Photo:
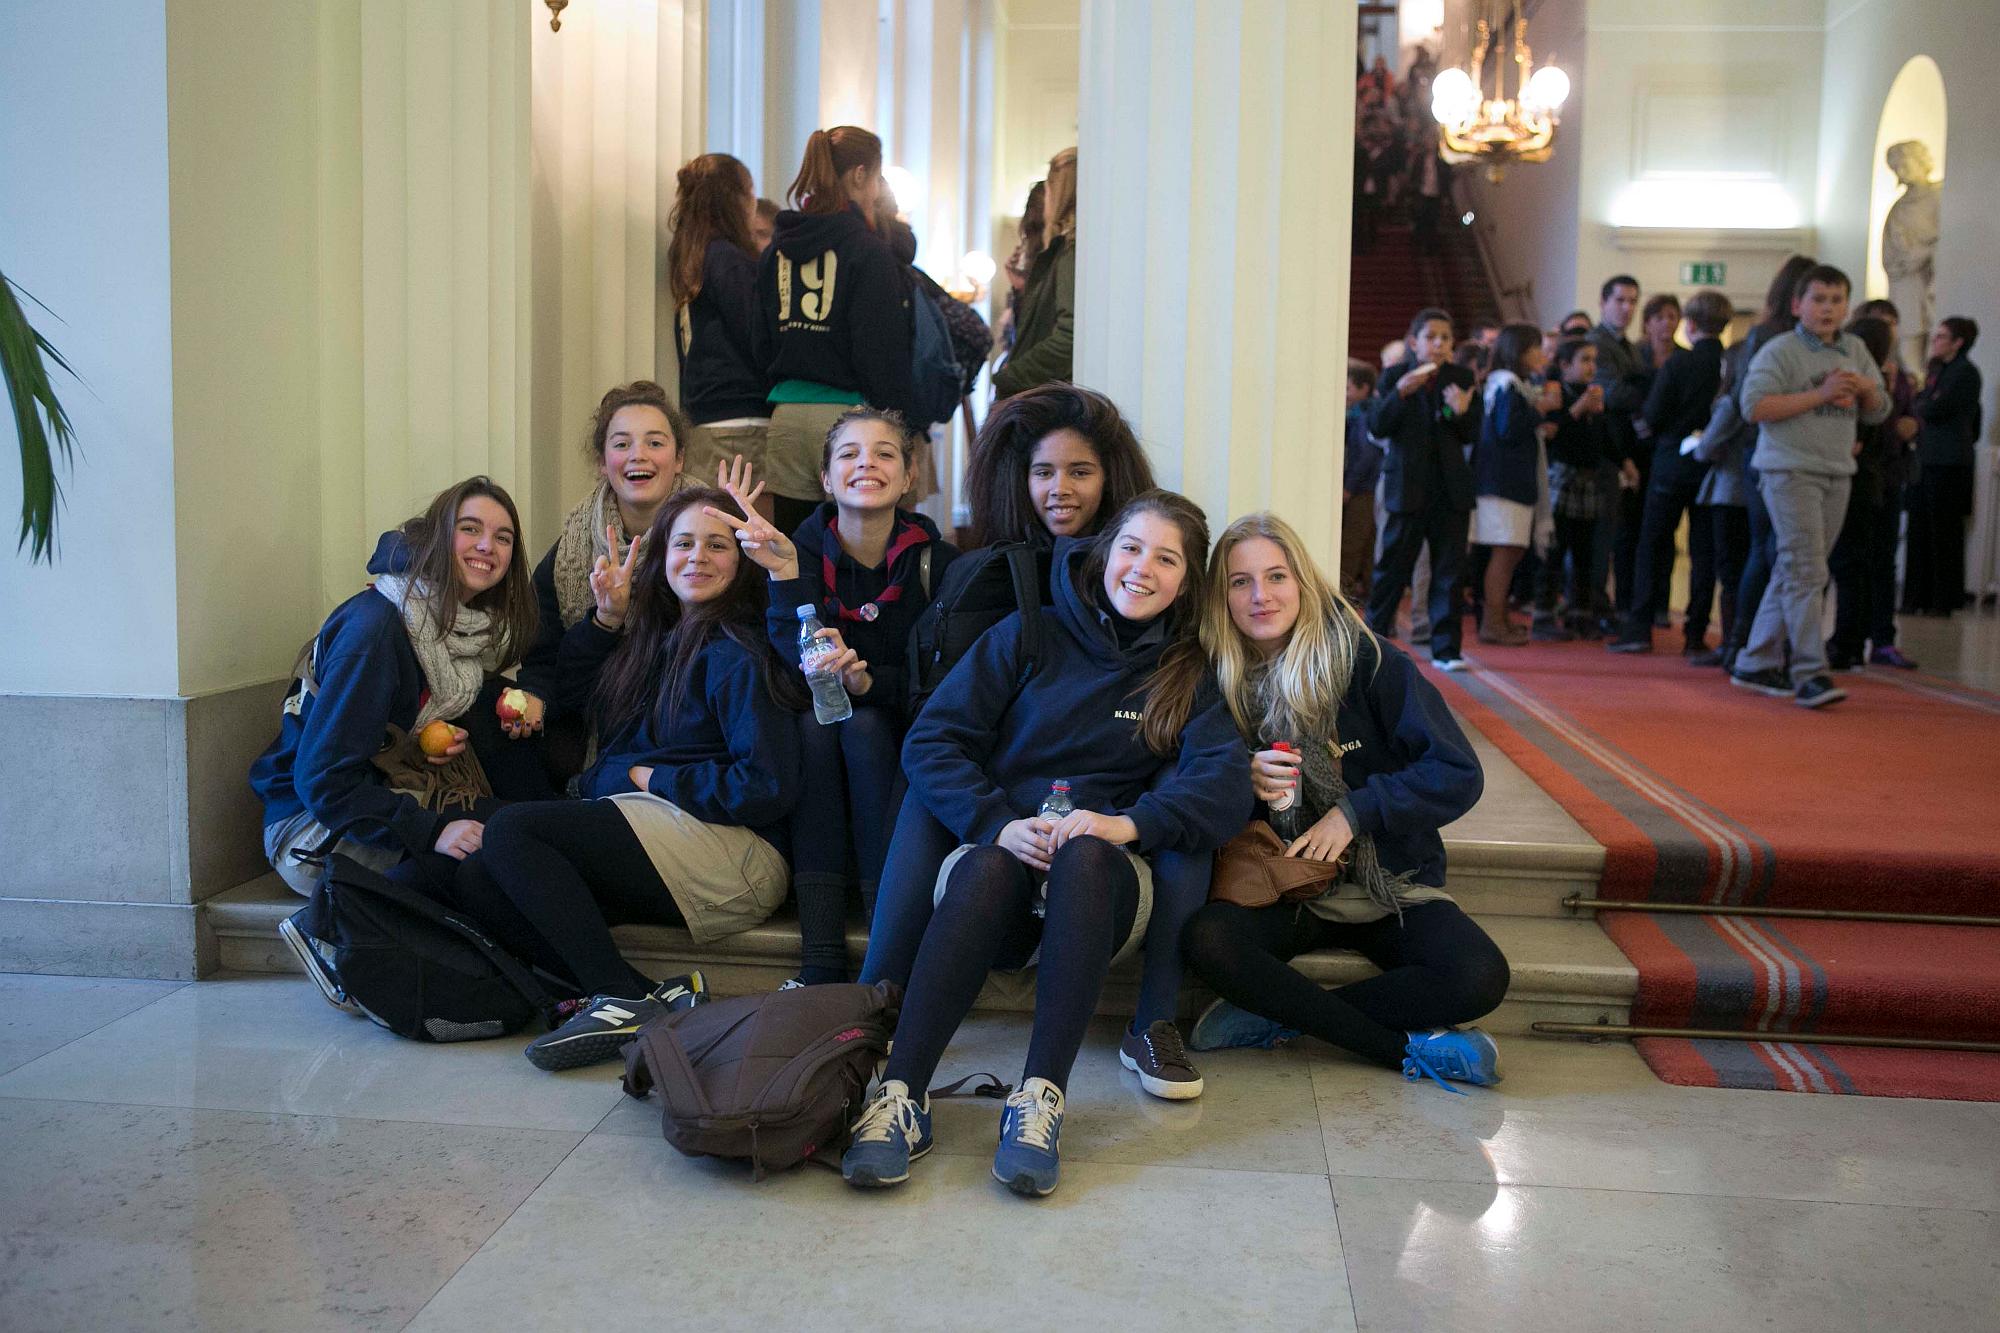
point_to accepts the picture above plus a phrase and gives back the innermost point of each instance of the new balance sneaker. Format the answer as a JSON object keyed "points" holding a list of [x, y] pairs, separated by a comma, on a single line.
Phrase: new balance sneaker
{"points": [[1223, 1026], [604, 1023], [1029, 1159], [1160, 1060], [893, 1131], [1818, 692], [1889, 655], [316, 957], [1773, 684], [1463, 1055]]}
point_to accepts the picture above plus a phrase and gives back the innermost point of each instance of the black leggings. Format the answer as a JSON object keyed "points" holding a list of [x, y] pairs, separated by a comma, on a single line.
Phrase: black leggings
{"points": [[1439, 969], [550, 881], [987, 920], [852, 765]]}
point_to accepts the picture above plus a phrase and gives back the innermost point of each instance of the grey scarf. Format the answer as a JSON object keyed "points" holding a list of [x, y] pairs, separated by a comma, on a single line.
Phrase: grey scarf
{"points": [[1321, 788], [455, 665]]}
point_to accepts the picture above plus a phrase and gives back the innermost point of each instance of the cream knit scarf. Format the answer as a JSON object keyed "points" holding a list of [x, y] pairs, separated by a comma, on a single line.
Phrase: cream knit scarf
{"points": [[456, 664]]}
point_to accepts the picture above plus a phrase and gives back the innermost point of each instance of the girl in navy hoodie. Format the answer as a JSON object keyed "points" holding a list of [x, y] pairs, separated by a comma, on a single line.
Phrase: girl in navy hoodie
{"points": [[423, 644], [637, 441], [1377, 766], [712, 278], [690, 796], [1119, 719], [866, 567], [1511, 471], [834, 323]]}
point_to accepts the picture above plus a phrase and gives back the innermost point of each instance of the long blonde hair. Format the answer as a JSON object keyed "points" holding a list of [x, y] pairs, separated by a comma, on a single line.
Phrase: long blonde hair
{"points": [[1312, 673], [1059, 197]]}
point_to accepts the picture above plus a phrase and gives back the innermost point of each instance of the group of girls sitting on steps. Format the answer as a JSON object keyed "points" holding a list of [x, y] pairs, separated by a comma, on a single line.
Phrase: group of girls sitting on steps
{"points": [[1165, 679]]}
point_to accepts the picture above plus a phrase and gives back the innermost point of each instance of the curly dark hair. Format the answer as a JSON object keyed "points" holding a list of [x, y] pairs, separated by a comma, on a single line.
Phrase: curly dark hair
{"points": [[996, 481]]}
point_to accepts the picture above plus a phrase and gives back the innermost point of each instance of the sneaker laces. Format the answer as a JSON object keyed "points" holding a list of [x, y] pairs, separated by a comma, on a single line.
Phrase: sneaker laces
{"points": [[1167, 1048], [1416, 1068], [889, 1111], [1035, 1120]]}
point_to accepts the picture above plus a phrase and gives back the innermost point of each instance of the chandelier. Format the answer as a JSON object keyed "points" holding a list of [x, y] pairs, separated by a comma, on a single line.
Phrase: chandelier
{"points": [[1499, 129]]}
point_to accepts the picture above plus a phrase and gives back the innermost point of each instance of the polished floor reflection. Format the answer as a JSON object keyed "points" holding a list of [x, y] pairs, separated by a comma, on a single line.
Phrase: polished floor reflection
{"points": [[236, 1155]]}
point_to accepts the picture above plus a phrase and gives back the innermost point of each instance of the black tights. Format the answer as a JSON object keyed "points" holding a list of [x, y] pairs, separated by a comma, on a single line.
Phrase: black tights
{"points": [[986, 920], [552, 878], [1439, 969]]}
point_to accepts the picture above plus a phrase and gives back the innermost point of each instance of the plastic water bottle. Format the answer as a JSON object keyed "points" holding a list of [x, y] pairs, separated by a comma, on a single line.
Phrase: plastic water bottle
{"points": [[830, 701], [1285, 809], [1056, 806]]}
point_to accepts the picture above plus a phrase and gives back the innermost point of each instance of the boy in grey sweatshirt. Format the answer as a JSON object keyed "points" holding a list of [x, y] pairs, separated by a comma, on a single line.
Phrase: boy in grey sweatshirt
{"points": [[1807, 391]]}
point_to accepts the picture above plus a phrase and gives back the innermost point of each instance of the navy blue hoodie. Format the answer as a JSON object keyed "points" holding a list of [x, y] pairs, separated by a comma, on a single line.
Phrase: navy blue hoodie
{"points": [[984, 750], [321, 762], [833, 308], [728, 754], [541, 664], [883, 642], [1409, 769], [721, 379], [1506, 461]]}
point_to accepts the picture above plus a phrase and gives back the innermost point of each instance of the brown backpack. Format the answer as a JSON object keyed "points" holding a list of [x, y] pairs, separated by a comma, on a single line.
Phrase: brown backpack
{"points": [[768, 1079]]}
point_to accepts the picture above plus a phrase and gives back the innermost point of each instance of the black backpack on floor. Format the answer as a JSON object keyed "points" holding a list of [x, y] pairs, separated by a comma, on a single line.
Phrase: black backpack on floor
{"points": [[417, 967], [980, 589]]}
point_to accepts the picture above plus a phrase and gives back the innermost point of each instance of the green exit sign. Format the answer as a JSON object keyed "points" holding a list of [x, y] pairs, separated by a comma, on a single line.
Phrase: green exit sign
{"points": [[1704, 273]]}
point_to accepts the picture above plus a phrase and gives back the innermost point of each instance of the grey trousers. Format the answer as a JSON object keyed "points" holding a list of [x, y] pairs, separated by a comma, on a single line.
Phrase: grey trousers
{"points": [[303, 832], [1807, 509]]}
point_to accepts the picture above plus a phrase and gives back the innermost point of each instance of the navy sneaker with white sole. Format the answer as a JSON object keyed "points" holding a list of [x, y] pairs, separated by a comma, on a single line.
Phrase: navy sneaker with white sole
{"points": [[1029, 1158], [893, 1131], [316, 957], [603, 1024]]}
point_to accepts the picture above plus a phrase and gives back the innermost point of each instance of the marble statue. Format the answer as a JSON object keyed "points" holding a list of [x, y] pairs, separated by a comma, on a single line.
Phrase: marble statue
{"points": [[1909, 247]]}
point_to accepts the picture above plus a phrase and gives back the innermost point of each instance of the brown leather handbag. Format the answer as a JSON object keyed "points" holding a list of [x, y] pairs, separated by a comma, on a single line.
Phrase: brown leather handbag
{"points": [[1252, 870]]}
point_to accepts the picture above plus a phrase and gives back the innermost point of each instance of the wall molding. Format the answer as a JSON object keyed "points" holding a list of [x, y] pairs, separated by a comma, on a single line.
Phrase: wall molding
{"points": [[1777, 240]]}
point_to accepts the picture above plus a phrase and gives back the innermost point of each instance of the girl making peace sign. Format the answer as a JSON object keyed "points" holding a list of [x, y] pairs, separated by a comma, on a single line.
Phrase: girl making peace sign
{"points": [[866, 566]]}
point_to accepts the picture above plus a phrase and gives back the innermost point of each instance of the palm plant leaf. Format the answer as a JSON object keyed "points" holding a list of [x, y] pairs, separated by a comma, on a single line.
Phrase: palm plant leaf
{"points": [[39, 420]]}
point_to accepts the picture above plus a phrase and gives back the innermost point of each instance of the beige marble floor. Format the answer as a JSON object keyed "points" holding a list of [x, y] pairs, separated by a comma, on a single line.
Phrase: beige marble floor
{"points": [[235, 1154]]}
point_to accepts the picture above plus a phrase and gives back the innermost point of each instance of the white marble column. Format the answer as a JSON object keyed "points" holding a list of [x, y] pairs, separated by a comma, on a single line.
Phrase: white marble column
{"points": [[1214, 191]]}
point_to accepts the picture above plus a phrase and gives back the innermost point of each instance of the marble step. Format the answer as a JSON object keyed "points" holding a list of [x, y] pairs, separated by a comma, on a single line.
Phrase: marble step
{"points": [[1564, 969]]}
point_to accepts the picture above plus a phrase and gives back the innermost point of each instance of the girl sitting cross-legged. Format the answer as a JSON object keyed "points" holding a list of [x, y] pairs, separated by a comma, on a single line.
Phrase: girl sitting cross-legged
{"points": [[690, 796], [1121, 711], [1377, 766]]}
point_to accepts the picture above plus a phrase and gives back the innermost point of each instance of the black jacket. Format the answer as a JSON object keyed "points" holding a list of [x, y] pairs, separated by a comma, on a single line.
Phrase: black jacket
{"points": [[1948, 415], [833, 308], [721, 377], [1579, 442], [1424, 463], [1678, 405]]}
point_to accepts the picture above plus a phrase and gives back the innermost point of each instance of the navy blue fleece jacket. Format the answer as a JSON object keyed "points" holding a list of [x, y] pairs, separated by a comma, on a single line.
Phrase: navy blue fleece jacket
{"points": [[985, 749], [1409, 769], [321, 761], [728, 754], [882, 642]]}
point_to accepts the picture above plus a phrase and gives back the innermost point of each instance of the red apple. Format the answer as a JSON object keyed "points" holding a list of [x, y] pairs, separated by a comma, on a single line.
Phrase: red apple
{"points": [[513, 705]]}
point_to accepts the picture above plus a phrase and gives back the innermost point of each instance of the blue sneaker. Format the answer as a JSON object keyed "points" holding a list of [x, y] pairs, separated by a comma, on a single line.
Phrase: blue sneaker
{"points": [[893, 1131], [1029, 1157], [1467, 1056], [1222, 1025]]}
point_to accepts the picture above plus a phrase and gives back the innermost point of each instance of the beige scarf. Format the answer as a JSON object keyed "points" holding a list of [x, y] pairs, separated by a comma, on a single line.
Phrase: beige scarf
{"points": [[456, 664], [577, 550]]}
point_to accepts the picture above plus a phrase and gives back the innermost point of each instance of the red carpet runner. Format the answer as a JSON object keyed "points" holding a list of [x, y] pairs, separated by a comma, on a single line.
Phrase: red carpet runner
{"points": [[1703, 793]]}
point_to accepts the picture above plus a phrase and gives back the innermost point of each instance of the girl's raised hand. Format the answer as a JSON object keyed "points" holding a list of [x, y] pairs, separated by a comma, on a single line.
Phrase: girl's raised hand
{"points": [[760, 539], [611, 584]]}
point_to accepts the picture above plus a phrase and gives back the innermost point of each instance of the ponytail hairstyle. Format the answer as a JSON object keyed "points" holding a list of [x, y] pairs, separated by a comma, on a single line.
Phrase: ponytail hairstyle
{"points": [[647, 673], [713, 196], [820, 186], [427, 541], [639, 393], [1171, 689], [996, 481], [887, 416], [1313, 670], [1059, 197]]}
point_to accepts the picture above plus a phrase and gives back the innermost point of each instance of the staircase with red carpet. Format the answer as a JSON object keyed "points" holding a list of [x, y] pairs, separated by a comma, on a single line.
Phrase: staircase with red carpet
{"points": [[1391, 282], [1704, 794]]}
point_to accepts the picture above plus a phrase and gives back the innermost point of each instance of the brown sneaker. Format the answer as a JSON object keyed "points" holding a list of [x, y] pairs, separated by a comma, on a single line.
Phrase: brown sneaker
{"points": [[1161, 1062]]}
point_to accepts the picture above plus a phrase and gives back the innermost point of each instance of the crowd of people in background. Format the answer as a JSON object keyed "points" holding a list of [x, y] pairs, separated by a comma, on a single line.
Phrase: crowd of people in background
{"points": [[1398, 172], [1549, 471]]}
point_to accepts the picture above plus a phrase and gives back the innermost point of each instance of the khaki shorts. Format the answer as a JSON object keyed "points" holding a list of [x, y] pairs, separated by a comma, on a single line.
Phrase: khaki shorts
{"points": [[724, 879], [1144, 913], [792, 453], [710, 445]]}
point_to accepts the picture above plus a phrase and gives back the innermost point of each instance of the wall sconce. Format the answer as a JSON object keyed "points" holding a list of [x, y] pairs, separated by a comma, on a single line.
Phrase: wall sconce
{"points": [[556, 7]]}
